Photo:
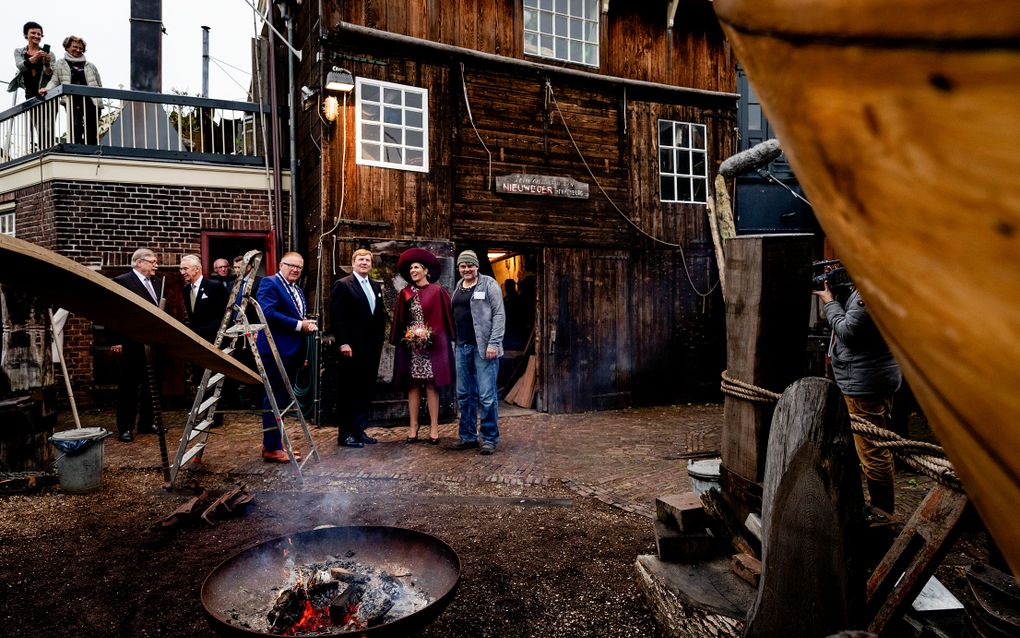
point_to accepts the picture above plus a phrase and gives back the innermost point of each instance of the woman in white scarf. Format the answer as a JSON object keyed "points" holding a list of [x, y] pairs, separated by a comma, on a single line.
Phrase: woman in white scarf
{"points": [[73, 68]]}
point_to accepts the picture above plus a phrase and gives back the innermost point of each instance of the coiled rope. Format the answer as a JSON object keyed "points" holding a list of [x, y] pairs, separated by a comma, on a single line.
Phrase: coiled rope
{"points": [[927, 458]]}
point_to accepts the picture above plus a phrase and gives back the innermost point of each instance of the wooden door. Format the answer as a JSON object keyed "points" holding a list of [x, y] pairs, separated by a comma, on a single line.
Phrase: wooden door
{"points": [[586, 333]]}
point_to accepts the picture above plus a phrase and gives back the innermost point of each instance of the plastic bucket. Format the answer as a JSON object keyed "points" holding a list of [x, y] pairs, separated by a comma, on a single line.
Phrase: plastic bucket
{"points": [[80, 460], [704, 474]]}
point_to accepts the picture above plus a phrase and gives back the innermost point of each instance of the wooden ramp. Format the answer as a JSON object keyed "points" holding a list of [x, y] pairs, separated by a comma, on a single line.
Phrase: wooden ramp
{"points": [[57, 280]]}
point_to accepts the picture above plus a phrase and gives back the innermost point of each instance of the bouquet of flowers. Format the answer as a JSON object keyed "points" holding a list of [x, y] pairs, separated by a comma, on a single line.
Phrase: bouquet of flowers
{"points": [[418, 336]]}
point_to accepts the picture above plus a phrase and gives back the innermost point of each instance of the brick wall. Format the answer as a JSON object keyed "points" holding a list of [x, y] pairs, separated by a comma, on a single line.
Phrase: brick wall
{"points": [[100, 224]]}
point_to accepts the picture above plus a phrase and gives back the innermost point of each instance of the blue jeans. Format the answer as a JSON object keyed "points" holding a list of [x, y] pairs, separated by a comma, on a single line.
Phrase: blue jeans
{"points": [[476, 391]]}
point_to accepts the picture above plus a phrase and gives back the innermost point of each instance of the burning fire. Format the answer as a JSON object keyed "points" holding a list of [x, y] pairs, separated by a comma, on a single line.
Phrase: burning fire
{"points": [[314, 620]]}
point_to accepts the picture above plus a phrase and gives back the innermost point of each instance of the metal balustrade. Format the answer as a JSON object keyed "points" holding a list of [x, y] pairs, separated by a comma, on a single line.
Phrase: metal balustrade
{"points": [[134, 124]]}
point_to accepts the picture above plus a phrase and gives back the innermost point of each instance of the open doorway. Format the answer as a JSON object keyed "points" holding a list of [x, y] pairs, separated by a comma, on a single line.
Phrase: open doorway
{"points": [[228, 245], [515, 271]]}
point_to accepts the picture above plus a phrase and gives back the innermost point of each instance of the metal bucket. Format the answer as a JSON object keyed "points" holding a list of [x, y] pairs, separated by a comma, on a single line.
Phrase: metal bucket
{"points": [[80, 463], [704, 475]]}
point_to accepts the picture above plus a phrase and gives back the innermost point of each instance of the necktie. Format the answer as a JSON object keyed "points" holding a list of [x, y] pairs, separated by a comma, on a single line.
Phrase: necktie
{"points": [[148, 286], [369, 294], [194, 296]]}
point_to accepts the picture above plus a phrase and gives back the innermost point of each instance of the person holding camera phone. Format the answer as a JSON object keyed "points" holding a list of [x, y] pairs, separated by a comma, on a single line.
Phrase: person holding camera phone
{"points": [[32, 61], [868, 376]]}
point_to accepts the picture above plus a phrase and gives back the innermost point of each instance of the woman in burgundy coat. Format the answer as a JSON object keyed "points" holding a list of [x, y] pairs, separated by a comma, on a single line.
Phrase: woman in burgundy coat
{"points": [[422, 333]]}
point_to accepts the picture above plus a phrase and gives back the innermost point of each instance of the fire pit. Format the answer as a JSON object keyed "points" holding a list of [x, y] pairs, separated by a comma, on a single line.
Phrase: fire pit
{"points": [[238, 595]]}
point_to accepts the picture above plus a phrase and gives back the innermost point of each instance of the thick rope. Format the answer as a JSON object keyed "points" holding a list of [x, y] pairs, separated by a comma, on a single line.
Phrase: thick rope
{"points": [[927, 458]]}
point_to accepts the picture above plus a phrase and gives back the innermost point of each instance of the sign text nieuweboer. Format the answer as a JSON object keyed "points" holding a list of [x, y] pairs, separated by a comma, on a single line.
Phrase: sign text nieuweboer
{"points": [[547, 185]]}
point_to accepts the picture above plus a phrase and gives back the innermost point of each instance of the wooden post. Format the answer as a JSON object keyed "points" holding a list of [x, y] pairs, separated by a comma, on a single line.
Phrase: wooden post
{"points": [[812, 577], [767, 307]]}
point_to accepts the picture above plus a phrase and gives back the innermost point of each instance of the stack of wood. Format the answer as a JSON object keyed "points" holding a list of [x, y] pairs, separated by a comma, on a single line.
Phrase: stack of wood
{"points": [[522, 394]]}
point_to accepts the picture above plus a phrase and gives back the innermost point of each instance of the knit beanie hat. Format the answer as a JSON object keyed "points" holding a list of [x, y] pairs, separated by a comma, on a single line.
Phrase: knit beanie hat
{"points": [[468, 257]]}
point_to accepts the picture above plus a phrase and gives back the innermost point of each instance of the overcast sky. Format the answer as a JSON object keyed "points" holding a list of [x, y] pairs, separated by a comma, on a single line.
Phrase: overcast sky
{"points": [[105, 26]]}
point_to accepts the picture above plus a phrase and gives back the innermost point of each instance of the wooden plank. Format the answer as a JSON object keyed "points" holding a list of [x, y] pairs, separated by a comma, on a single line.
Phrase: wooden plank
{"points": [[811, 519], [768, 298], [914, 555], [526, 395], [56, 279]]}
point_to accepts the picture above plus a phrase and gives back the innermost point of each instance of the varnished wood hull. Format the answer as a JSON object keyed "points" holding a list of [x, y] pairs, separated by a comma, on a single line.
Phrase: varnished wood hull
{"points": [[64, 283], [902, 121]]}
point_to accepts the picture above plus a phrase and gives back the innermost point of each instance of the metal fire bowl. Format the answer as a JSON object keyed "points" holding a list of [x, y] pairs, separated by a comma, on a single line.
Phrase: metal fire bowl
{"points": [[244, 584]]}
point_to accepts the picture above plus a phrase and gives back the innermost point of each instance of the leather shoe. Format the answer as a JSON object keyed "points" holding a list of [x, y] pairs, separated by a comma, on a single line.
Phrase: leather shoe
{"points": [[279, 456], [350, 441], [126, 437], [465, 445], [370, 440]]}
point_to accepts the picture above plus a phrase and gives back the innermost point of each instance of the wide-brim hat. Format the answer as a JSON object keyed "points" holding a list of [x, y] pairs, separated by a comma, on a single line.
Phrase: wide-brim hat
{"points": [[418, 256]]}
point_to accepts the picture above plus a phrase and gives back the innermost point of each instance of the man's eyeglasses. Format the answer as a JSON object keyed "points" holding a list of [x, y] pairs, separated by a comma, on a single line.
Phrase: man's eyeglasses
{"points": [[292, 266], [150, 260]]}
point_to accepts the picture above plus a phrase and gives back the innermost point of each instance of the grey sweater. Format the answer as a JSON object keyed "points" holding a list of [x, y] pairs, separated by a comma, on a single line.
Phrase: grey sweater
{"points": [[861, 361], [487, 315]]}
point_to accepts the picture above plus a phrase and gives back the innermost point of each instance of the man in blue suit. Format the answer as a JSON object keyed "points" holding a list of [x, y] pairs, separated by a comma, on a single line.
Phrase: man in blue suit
{"points": [[284, 305]]}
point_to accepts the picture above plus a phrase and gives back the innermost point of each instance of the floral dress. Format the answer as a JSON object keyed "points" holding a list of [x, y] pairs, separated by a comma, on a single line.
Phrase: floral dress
{"points": [[421, 362]]}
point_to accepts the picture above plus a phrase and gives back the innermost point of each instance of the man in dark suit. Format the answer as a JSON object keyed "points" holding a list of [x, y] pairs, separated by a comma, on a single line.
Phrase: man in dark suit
{"points": [[205, 301], [359, 322], [134, 399], [284, 305]]}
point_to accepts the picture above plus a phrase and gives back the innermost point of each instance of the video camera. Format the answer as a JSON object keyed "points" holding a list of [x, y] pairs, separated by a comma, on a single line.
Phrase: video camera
{"points": [[830, 270]]}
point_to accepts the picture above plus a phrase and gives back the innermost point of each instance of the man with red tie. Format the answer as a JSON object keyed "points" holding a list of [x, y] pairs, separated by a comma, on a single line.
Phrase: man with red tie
{"points": [[134, 399], [284, 305]]}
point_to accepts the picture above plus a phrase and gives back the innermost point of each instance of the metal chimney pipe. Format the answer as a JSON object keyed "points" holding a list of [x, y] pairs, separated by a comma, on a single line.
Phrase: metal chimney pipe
{"points": [[205, 61], [147, 45]]}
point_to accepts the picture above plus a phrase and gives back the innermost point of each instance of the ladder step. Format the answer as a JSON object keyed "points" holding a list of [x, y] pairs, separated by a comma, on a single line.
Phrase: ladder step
{"points": [[214, 379], [190, 454], [228, 350], [237, 330], [208, 403], [201, 428]]}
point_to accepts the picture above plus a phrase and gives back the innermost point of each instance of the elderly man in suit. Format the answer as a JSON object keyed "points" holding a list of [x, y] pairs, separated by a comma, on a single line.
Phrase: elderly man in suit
{"points": [[358, 319], [284, 305], [134, 399], [205, 301]]}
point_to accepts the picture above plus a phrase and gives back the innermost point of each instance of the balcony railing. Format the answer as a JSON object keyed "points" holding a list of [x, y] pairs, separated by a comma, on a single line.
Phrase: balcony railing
{"points": [[134, 124]]}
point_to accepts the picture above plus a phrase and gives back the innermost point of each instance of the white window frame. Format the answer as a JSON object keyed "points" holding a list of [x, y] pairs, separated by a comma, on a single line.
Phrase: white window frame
{"points": [[7, 219], [683, 160], [565, 30], [370, 119]]}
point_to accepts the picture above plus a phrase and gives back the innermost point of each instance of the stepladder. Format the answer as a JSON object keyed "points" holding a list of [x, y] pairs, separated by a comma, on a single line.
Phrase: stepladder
{"points": [[236, 330]]}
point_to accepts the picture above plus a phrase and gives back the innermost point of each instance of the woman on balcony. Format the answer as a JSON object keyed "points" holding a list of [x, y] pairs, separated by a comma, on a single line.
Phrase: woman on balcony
{"points": [[33, 62], [75, 69]]}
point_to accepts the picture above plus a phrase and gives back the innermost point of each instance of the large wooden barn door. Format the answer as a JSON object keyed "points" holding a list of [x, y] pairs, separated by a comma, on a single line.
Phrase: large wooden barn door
{"points": [[586, 336]]}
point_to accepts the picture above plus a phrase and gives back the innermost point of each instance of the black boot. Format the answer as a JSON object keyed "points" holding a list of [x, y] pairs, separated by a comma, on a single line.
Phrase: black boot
{"points": [[883, 496]]}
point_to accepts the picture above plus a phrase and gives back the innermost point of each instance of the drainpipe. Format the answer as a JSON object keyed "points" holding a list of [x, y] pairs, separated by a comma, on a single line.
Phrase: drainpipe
{"points": [[291, 89]]}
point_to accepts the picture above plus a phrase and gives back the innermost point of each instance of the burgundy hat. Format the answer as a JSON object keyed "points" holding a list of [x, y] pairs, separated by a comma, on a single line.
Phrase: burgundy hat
{"points": [[418, 256]]}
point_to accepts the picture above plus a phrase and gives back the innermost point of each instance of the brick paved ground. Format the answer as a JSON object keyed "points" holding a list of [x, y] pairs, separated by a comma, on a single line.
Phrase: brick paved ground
{"points": [[624, 458]]}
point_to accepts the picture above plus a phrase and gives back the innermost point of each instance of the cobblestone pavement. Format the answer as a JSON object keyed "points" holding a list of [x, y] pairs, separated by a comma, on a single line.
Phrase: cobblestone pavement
{"points": [[624, 458]]}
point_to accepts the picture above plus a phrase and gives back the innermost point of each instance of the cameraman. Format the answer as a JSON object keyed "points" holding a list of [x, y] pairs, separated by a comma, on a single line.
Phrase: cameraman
{"points": [[868, 375]]}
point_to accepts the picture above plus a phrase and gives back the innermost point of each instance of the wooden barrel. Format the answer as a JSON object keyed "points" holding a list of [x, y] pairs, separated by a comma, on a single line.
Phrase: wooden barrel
{"points": [[901, 120]]}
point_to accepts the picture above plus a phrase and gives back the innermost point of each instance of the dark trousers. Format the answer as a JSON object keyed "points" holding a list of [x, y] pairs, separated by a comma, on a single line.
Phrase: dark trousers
{"points": [[84, 120], [134, 400], [357, 389], [271, 439]]}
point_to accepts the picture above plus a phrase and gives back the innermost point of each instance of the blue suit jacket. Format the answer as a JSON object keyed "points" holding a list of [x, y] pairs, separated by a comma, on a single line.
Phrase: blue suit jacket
{"points": [[282, 316]]}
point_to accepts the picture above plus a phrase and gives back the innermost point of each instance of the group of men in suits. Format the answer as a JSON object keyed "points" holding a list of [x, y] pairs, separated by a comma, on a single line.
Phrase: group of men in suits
{"points": [[358, 322]]}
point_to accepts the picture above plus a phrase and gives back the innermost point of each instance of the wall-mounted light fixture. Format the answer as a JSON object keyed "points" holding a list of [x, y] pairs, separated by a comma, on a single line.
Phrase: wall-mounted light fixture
{"points": [[331, 108], [339, 80], [307, 97]]}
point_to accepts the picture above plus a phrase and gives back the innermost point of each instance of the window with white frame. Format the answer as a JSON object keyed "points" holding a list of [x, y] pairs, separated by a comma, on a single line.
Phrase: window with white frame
{"points": [[683, 161], [7, 220], [565, 30], [392, 125]]}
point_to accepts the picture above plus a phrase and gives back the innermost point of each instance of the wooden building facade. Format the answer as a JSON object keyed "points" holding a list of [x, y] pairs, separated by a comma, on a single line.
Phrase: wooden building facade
{"points": [[580, 136]]}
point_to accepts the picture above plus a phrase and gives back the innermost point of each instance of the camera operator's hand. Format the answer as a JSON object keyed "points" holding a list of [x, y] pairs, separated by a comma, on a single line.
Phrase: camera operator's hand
{"points": [[824, 294]]}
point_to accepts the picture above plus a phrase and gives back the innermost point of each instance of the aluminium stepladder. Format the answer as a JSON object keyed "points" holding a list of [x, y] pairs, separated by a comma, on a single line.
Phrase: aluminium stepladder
{"points": [[233, 328]]}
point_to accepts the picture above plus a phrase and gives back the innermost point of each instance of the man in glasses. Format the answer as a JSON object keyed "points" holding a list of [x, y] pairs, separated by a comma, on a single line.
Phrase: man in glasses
{"points": [[286, 310], [134, 400]]}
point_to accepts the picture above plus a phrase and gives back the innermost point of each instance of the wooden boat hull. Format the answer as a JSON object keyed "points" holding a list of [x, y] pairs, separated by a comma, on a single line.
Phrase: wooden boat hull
{"points": [[902, 121], [62, 282]]}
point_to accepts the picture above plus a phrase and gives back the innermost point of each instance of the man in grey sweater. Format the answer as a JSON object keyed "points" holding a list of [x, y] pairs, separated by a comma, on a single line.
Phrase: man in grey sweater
{"points": [[868, 375], [479, 320]]}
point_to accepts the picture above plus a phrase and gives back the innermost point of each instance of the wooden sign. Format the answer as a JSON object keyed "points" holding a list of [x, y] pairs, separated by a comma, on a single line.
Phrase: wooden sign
{"points": [[546, 185]]}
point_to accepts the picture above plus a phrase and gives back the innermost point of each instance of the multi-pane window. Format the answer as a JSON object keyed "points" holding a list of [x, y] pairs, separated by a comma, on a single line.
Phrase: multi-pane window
{"points": [[392, 125], [7, 223], [683, 174], [566, 30]]}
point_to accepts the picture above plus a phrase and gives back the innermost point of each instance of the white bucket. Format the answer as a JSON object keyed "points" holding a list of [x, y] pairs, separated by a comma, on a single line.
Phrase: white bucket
{"points": [[704, 474], [82, 472]]}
